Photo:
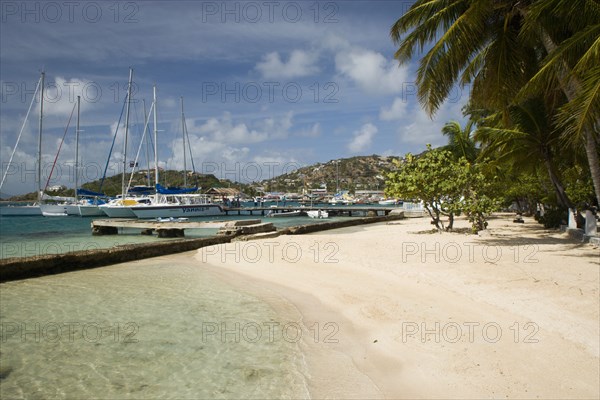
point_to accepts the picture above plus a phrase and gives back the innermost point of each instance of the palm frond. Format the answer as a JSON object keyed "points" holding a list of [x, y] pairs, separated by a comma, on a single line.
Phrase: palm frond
{"points": [[440, 68], [583, 111]]}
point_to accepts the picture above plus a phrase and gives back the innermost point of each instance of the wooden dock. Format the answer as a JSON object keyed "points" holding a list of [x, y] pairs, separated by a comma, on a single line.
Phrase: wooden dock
{"points": [[173, 228], [350, 211]]}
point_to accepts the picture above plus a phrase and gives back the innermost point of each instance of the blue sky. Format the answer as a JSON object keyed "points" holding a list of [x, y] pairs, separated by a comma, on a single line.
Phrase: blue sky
{"points": [[267, 85]]}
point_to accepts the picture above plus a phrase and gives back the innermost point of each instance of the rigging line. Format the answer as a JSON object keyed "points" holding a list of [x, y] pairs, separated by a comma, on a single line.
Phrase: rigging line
{"points": [[21, 132], [113, 143], [60, 147], [139, 149]]}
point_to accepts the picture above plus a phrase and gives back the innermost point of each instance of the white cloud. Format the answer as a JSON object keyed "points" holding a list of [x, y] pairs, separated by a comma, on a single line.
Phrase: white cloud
{"points": [[300, 63], [277, 128], [371, 71], [168, 102], [60, 96], [362, 138], [224, 130], [225, 140], [313, 132], [422, 129], [396, 111]]}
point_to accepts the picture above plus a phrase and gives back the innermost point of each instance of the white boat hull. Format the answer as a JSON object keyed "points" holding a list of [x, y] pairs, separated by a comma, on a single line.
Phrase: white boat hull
{"points": [[284, 214], [317, 214], [117, 211], [387, 202], [90, 210], [177, 210], [69, 209], [54, 214]]}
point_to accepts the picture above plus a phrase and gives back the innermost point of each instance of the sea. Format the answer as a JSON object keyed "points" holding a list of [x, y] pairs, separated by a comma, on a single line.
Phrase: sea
{"points": [[26, 236], [168, 330]]}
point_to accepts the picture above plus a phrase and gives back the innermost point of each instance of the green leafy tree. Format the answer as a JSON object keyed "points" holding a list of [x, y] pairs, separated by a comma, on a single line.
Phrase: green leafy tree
{"points": [[446, 186], [433, 178], [479, 199]]}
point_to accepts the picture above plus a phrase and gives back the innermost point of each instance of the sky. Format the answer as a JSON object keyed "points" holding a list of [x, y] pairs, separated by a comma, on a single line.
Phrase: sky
{"points": [[267, 86]]}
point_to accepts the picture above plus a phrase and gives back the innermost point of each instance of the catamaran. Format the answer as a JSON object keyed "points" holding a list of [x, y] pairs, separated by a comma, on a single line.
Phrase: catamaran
{"points": [[178, 202], [121, 206]]}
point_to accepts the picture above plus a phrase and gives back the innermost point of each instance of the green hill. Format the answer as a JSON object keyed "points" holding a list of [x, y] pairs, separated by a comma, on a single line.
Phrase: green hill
{"points": [[356, 173]]}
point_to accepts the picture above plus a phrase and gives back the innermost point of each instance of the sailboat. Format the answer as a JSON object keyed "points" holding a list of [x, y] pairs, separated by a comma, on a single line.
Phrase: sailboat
{"points": [[121, 206], [33, 209], [78, 205], [177, 202], [87, 205]]}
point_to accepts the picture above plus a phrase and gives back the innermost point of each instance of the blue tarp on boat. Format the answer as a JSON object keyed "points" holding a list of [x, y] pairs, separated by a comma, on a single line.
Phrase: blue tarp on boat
{"points": [[174, 190]]}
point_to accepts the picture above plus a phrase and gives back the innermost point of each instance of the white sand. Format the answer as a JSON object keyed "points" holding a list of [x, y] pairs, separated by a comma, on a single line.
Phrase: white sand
{"points": [[424, 315]]}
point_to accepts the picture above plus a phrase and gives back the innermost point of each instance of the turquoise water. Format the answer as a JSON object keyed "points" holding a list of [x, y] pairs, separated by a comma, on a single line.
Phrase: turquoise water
{"points": [[156, 329], [38, 235]]}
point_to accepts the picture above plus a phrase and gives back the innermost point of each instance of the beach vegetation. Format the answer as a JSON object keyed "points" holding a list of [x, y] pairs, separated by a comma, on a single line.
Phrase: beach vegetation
{"points": [[526, 63], [447, 187]]}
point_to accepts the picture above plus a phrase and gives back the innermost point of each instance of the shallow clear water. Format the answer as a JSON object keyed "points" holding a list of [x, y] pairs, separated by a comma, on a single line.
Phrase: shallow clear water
{"points": [[146, 329], [143, 330], [38, 235]]}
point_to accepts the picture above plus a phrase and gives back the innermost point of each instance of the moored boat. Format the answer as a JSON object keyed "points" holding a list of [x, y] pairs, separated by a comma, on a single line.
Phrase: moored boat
{"points": [[317, 214], [182, 205], [52, 209], [54, 214], [121, 208], [388, 202], [284, 214]]}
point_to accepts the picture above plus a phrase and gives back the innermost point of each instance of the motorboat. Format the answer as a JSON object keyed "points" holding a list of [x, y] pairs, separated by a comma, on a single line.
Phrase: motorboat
{"points": [[284, 214], [317, 214]]}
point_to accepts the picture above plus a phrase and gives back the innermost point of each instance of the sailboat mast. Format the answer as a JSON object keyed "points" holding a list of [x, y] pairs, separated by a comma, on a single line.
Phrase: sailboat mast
{"points": [[77, 149], [39, 171], [147, 144], [126, 133], [155, 139], [183, 135]]}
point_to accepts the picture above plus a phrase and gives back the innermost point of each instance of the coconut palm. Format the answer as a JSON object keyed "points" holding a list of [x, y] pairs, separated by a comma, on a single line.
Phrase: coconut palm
{"points": [[509, 50], [570, 32], [460, 141], [525, 139]]}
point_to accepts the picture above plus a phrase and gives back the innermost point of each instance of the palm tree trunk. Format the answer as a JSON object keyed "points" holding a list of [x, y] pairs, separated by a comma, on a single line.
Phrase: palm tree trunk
{"points": [[570, 85], [563, 198], [591, 150]]}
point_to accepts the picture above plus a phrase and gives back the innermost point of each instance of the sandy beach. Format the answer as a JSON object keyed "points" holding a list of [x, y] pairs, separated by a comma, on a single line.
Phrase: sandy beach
{"points": [[397, 311]]}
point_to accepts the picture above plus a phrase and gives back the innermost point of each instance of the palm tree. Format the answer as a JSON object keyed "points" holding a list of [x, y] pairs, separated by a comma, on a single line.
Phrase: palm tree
{"points": [[508, 50], [525, 140], [570, 33], [460, 141], [479, 45]]}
